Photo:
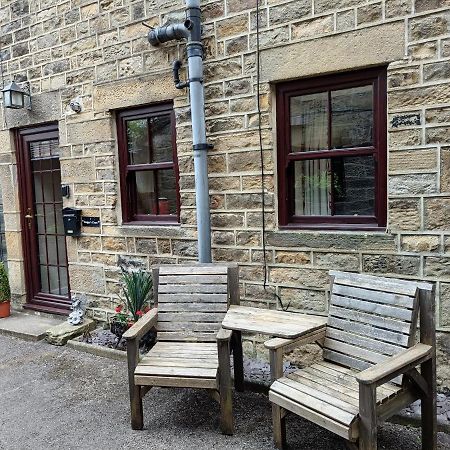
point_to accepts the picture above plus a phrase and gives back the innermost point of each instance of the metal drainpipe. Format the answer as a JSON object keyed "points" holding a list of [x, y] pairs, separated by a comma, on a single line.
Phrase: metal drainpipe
{"points": [[191, 30]]}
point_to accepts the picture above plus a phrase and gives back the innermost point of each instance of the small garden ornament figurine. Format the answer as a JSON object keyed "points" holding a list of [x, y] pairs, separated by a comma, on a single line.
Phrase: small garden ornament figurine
{"points": [[78, 308]]}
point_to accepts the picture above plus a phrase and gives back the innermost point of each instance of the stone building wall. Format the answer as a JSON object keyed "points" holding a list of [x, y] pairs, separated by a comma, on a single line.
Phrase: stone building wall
{"points": [[96, 51]]}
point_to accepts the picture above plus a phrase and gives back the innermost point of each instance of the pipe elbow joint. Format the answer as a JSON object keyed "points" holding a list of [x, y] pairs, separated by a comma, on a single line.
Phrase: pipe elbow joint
{"points": [[176, 31]]}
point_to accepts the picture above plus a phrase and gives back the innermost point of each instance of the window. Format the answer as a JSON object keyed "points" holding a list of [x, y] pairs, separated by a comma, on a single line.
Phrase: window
{"points": [[332, 151], [148, 165]]}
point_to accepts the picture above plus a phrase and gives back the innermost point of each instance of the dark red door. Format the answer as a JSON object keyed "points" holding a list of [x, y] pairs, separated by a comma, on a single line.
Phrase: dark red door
{"points": [[45, 252]]}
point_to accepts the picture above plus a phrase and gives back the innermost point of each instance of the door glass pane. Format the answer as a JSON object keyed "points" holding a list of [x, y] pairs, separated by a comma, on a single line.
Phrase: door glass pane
{"points": [[352, 117], [54, 279], [64, 285], [161, 139], [47, 182], [42, 250], [167, 193], [137, 136], [309, 122], [337, 186], [44, 279], [145, 193], [52, 250], [50, 218]]}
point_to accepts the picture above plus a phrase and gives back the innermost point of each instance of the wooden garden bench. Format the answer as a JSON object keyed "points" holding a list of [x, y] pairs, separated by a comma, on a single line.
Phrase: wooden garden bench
{"points": [[191, 349], [370, 358]]}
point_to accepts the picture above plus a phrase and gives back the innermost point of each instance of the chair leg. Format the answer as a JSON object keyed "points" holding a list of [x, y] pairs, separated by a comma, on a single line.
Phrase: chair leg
{"points": [[279, 426], [225, 389], [428, 406], [238, 361], [368, 417], [137, 415]]}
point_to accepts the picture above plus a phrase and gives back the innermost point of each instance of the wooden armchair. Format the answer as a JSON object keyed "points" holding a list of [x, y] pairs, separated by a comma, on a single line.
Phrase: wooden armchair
{"points": [[370, 359], [191, 350]]}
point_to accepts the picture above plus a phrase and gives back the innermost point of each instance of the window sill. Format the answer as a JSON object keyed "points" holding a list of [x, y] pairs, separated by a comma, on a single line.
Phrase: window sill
{"points": [[151, 223], [333, 226]]}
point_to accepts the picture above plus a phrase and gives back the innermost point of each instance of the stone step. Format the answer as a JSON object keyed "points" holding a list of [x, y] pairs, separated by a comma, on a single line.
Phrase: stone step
{"points": [[31, 327]]}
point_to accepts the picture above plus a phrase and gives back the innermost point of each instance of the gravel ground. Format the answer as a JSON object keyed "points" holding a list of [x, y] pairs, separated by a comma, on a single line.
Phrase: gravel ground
{"points": [[58, 398]]}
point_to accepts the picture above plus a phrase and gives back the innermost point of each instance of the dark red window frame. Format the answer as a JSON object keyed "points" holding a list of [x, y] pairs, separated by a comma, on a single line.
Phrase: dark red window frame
{"points": [[128, 187], [285, 160]]}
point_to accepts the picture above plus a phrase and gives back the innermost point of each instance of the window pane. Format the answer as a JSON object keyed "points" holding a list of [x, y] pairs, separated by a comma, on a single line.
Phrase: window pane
{"points": [[137, 137], [145, 193], [167, 194], [337, 186], [309, 122], [352, 117], [161, 139]]}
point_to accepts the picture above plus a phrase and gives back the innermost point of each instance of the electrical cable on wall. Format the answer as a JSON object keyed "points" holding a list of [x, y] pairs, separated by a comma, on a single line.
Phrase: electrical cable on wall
{"points": [[261, 150]]}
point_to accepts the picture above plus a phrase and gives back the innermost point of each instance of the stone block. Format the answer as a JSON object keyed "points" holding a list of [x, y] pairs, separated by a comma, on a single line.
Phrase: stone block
{"points": [[405, 138], [78, 169], [349, 51], [420, 243], [405, 77], [230, 254], [223, 238], [60, 334], [98, 130], [321, 6], [338, 261], [445, 169], [292, 257], [369, 13], [404, 214], [436, 71], [437, 115], [444, 304], [391, 264], [420, 96], [248, 238], [422, 51], [87, 278], [413, 184], [335, 241], [411, 161], [147, 246], [397, 8], [429, 26], [312, 27], [299, 276], [232, 26], [227, 220], [437, 214], [437, 267], [438, 135], [288, 12], [304, 299]]}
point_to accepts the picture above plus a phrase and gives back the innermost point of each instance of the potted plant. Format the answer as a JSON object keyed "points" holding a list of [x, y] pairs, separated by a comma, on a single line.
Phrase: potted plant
{"points": [[137, 289], [5, 293]]}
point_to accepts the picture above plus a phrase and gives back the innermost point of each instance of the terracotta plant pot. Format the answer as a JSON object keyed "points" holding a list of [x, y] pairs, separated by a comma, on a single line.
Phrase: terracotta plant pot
{"points": [[5, 309]]}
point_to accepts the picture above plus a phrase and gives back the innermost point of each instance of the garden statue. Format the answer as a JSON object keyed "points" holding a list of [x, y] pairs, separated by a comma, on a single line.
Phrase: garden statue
{"points": [[78, 308]]}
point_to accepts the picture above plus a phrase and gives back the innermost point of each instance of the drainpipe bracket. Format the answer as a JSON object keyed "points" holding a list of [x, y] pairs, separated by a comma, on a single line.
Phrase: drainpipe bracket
{"points": [[203, 147]]}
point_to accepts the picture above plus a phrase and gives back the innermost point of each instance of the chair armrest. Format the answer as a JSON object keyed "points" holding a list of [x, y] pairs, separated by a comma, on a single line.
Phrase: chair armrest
{"points": [[396, 365], [290, 344], [224, 335], [142, 326]]}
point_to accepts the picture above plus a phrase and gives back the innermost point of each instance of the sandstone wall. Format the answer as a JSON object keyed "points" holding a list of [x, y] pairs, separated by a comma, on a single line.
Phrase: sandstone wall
{"points": [[95, 51]]}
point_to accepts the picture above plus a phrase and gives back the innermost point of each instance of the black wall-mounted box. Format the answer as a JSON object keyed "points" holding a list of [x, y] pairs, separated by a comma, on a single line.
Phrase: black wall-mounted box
{"points": [[72, 221]]}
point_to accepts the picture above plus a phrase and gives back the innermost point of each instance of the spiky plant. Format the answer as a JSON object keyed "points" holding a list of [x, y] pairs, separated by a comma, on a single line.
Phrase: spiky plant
{"points": [[5, 292], [137, 289]]}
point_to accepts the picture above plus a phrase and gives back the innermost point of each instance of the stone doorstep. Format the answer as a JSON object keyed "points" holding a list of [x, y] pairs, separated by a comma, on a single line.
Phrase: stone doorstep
{"points": [[61, 333], [97, 350], [30, 327]]}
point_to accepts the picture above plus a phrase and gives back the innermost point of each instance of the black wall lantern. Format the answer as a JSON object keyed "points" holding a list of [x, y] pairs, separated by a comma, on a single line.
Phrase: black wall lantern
{"points": [[15, 97]]}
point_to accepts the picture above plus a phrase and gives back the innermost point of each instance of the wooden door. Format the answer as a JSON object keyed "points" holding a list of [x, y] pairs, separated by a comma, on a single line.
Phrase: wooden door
{"points": [[45, 251]]}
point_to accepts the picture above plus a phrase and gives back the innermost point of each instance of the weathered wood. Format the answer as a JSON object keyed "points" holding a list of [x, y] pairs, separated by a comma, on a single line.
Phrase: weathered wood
{"points": [[180, 269], [309, 414], [386, 298], [193, 288], [370, 335], [192, 279], [224, 335], [291, 344], [383, 284], [279, 426], [276, 363], [226, 399], [233, 284], [368, 417], [186, 382], [396, 365], [238, 361], [172, 371], [192, 307], [142, 326], [137, 417], [276, 323], [206, 297]]}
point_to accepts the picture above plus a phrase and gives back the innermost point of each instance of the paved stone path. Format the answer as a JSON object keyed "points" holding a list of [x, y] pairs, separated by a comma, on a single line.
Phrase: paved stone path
{"points": [[54, 398]]}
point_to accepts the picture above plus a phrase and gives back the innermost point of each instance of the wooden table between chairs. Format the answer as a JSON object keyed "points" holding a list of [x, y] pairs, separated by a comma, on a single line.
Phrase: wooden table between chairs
{"points": [[280, 324]]}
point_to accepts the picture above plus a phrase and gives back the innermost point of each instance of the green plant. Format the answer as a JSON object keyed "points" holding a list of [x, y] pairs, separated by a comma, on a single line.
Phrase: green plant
{"points": [[137, 289], [5, 292]]}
